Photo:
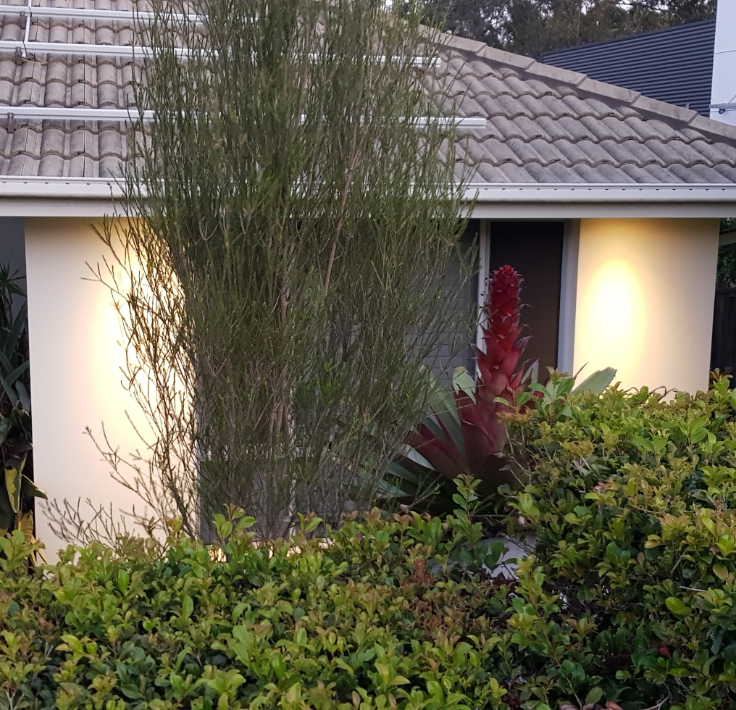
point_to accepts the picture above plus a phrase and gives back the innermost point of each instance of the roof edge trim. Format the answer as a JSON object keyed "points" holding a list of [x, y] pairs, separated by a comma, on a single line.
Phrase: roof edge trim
{"points": [[111, 189]]}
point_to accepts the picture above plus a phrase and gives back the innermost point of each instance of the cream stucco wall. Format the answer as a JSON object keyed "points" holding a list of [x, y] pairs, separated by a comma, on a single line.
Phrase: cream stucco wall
{"points": [[76, 358], [645, 292]]}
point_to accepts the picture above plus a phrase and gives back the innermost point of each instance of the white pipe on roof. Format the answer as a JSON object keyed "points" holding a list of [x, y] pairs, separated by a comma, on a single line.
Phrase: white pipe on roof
{"points": [[91, 14], [85, 50], [85, 113], [54, 113], [133, 51]]}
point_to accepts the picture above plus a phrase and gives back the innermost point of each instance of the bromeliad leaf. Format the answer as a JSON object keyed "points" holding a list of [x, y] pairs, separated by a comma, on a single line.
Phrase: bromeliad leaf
{"points": [[597, 381], [25, 525], [28, 487], [463, 382], [13, 479], [5, 425], [23, 396]]}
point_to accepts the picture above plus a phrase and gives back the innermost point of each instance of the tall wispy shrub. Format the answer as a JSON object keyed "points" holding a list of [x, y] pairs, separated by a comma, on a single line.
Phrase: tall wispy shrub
{"points": [[292, 217]]}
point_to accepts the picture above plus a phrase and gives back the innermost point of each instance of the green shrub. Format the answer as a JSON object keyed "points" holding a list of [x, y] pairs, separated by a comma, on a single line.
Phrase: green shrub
{"points": [[391, 613], [628, 602], [633, 500]]}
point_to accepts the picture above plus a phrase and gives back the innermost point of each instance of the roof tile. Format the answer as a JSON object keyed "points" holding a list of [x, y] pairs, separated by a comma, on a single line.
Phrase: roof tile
{"points": [[554, 130], [547, 71]]}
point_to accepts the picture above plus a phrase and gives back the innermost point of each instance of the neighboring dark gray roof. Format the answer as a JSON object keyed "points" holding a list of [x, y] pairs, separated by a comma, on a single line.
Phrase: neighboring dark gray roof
{"points": [[674, 64], [542, 124]]}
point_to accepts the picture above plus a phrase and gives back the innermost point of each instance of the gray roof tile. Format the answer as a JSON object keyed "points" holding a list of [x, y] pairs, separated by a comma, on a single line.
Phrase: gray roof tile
{"points": [[727, 171]]}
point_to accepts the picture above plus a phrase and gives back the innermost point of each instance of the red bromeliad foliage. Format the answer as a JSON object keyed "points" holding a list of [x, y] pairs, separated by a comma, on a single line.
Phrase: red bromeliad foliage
{"points": [[462, 435]]}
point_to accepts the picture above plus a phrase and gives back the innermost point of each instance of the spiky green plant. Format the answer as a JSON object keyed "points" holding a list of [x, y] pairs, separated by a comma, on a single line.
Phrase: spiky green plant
{"points": [[295, 221]]}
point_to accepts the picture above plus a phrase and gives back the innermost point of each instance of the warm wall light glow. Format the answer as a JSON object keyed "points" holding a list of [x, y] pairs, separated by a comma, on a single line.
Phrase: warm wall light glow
{"points": [[616, 313], [645, 292], [76, 361]]}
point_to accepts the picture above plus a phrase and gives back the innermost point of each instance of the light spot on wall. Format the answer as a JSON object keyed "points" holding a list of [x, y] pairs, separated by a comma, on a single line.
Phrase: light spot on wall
{"points": [[615, 313]]}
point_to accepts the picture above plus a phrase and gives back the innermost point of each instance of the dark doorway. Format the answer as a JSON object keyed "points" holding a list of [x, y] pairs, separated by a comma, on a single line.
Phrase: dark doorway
{"points": [[723, 349], [534, 249]]}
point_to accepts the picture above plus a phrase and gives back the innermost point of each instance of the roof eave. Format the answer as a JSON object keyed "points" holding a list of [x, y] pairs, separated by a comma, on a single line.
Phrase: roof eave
{"points": [[32, 196], [611, 200], [605, 192]]}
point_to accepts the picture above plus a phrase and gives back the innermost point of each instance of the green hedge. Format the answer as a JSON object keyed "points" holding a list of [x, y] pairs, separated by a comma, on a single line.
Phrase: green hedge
{"points": [[393, 613], [628, 603], [632, 497]]}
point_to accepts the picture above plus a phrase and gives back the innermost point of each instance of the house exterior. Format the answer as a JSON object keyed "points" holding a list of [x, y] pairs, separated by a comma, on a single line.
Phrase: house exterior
{"points": [[606, 200]]}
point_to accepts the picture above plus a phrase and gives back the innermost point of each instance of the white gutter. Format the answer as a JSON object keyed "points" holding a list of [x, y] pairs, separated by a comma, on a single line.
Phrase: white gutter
{"points": [[34, 196], [103, 188], [55, 187], [135, 52], [54, 113], [608, 201], [606, 192]]}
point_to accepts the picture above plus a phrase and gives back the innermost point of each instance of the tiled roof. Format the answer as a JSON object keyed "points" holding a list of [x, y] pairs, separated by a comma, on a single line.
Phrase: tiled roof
{"points": [[543, 124]]}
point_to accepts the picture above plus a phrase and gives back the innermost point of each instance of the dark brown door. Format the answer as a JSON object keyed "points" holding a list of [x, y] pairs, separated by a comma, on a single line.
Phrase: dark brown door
{"points": [[534, 249]]}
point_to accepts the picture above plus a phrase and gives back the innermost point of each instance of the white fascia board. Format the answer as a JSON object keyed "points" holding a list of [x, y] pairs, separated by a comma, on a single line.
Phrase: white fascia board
{"points": [[602, 210], [58, 197], [61, 187], [632, 200], [57, 208], [25, 196]]}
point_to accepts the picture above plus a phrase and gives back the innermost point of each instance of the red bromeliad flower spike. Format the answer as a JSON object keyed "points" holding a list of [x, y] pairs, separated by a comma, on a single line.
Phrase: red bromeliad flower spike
{"points": [[501, 329], [496, 377]]}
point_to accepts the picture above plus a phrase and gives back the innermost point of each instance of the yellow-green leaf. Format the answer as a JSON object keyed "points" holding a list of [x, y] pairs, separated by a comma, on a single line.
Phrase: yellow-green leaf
{"points": [[594, 695], [677, 606], [25, 525], [12, 485], [32, 488], [720, 571]]}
